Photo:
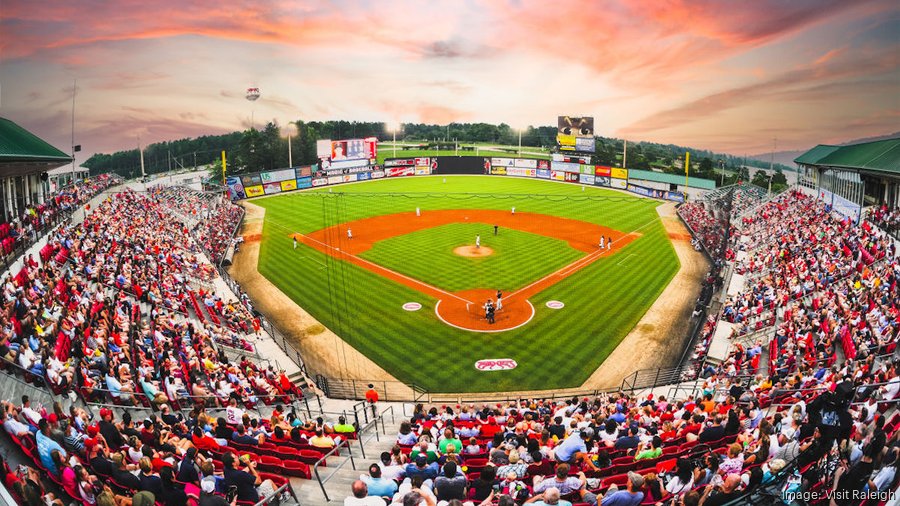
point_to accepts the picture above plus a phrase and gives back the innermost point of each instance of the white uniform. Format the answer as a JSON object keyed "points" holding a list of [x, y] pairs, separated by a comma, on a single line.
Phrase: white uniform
{"points": [[478, 241], [295, 243], [418, 212], [349, 234], [514, 210]]}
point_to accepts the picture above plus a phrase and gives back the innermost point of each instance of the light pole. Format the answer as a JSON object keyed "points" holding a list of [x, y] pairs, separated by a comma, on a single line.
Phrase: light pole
{"points": [[290, 132], [520, 142]]}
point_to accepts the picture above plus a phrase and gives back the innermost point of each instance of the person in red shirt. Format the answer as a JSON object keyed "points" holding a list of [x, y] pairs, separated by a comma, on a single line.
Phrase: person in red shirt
{"points": [[204, 442], [371, 394]]}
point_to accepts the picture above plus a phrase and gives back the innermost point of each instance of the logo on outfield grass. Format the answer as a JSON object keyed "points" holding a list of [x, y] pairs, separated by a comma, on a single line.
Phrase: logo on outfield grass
{"points": [[412, 306], [500, 364], [555, 304]]}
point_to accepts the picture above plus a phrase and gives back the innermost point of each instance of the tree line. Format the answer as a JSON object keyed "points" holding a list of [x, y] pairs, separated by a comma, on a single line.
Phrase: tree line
{"points": [[254, 150]]}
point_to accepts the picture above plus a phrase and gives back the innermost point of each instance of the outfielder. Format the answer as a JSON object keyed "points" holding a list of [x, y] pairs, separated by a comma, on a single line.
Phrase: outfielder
{"points": [[295, 242]]}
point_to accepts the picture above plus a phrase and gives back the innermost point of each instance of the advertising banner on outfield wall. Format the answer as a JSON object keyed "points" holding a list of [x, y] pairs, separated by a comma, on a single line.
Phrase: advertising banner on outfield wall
{"points": [[603, 171], [343, 164], [270, 188], [618, 183], [304, 182], [516, 171], [399, 171], [544, 174], [543, 164], [423, 170], [586, 179], [306, 170], [572, 177], [676, 196], [587, 169], [565, 166], [323, 148], [570, 158], [526, 163], [601, 181], [364, 176], [235, 188], [498, 170], [319, 181], [640, 190], [287, 186], [503, 162], [421, 162], [277, 175], [254, 191], [557, 175], [399, 162], [377, 174], [251, 180], [619, 173]]}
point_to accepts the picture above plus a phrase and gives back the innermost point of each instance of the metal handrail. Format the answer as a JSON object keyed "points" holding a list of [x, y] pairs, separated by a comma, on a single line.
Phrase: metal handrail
{"points": [[322, 459], [276, 494]]}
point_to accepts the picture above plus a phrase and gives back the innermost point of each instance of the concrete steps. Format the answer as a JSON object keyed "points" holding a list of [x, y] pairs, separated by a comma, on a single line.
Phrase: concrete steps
{"points": [[339, 471]]}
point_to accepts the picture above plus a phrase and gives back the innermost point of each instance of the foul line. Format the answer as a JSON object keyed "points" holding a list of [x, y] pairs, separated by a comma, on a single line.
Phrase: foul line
{"points": [[376, 267], [581, 262], [626, 258]]}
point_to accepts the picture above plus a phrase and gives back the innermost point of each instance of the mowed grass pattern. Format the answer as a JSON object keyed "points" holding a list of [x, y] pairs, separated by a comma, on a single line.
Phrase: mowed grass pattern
{"points": [[557, 349], [518, 259]]}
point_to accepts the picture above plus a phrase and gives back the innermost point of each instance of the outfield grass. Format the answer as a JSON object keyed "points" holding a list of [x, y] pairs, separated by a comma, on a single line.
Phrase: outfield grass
{"points": [[557, 349], [518, 259]]}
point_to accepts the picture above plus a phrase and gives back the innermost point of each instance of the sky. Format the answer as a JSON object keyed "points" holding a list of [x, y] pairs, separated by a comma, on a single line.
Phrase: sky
{"points": [[731, 76]]}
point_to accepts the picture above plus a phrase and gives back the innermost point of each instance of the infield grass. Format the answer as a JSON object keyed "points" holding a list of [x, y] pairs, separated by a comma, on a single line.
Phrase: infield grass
{"points": [[518, 259], [557, 349]]}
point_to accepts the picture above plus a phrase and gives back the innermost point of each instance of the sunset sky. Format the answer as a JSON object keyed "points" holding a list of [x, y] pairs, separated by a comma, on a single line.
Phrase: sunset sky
{"points": [[727, 76]]}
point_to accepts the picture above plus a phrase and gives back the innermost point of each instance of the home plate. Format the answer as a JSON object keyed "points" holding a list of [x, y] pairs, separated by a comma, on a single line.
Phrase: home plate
{"points": [[555, 304], [412, 306]]}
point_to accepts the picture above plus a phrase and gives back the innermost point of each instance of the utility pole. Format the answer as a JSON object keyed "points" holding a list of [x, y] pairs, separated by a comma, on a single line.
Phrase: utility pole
{"points": [[625, 154], [74, 90]]}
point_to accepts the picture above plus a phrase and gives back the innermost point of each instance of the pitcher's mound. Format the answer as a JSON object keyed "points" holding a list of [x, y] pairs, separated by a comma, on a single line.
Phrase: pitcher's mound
{"points": [[472, 251]]}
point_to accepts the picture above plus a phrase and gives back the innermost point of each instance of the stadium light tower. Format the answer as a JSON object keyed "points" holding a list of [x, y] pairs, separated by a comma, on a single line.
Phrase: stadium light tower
{"points": [[393, 128], [291, 128], [520, 141]]}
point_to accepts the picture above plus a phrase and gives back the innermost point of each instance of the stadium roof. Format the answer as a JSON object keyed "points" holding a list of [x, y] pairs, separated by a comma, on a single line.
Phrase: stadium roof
{"points": [[23, 153], [877, 156], [661, 177]]}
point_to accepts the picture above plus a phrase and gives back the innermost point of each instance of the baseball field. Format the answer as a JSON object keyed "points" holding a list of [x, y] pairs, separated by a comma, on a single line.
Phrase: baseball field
{"points": [[406, 287]]}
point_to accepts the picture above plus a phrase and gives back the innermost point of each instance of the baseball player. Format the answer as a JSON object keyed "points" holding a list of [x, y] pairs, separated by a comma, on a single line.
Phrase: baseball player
{"points": [[418, 212], [608, 243], [601, 242], [349, 233], [499, 300], [514, 210], [477, 242], [295, 242]]}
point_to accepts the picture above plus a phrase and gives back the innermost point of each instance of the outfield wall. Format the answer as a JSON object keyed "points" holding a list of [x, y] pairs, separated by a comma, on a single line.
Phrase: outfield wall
{"points": [[350, 171]]}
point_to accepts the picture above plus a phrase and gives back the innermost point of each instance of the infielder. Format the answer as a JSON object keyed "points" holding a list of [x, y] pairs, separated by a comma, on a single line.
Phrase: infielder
{"points": [[418, 212], [608, 243], [349, 233], [499, 300], [601, 242], [295, 242], [477, 242], [514, 210]]}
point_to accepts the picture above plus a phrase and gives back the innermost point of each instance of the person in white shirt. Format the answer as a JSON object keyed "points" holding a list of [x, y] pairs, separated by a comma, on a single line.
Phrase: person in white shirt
{"points": [[31, 415], [233, 414]]}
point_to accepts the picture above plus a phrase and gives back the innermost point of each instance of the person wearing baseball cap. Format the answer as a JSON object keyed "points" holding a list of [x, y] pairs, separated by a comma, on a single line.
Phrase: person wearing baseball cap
{"points": [[631, 496]]}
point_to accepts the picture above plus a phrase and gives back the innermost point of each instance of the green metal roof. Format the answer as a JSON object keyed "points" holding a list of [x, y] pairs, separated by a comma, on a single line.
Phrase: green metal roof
{"points": [[878, 156], [661, 177], [18, 144], [815, 154]]}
